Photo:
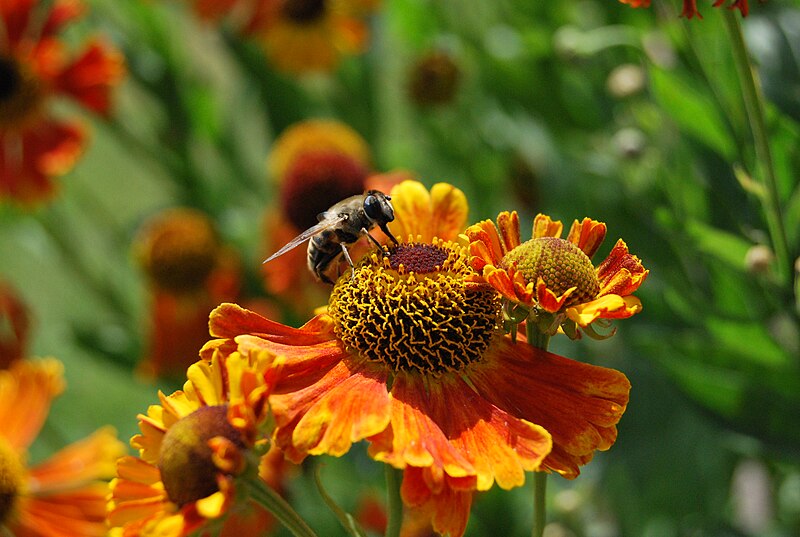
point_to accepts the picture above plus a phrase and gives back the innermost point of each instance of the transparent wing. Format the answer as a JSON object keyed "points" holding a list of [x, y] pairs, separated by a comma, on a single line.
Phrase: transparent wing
{"points": [[307, 234]]}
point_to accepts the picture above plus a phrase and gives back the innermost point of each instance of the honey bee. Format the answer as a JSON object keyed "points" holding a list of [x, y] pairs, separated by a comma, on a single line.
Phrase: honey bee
{"points": [[344, 223]]}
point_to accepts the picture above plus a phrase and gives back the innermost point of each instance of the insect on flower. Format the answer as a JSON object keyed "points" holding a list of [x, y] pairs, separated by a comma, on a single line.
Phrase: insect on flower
{"points": [[344, 223]]}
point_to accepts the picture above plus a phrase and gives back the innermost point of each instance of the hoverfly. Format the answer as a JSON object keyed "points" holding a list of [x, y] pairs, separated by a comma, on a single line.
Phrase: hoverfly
{"points": [[344, 223]]}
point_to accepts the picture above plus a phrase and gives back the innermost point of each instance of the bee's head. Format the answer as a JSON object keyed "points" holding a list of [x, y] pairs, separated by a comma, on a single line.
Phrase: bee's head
{"points": [[379, 210], [377, 207]]}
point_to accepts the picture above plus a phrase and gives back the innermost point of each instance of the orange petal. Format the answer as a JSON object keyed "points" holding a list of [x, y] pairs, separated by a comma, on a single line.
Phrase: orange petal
{"points": [[578, 404], [90, 78], [486, 233], [449, 212], [414, 438], [81, 462], [230, 320], [621, 273], [548, 299], [500, 446], [544, 226], [508, 226], [317, 415], [500, 280], [448, 508], [65, 514], [26, 391], [605, 307], [587, 235]]}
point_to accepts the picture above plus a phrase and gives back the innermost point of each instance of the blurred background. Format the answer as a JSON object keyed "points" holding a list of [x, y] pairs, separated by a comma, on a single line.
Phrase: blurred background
{"points": [[230, 129]]}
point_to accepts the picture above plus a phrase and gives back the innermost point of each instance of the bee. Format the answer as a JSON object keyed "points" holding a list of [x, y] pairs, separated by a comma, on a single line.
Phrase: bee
{"points": [[344, 223]]}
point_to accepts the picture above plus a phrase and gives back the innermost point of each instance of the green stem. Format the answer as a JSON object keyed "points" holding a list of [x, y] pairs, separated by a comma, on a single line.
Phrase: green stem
{"points": [[754, 106], [270, 500], [539, 340], [394, 502]]}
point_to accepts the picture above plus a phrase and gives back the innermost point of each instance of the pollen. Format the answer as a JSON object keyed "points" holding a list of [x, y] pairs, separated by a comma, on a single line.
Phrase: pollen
{"points": [[12, 481], [21, 94], [410, 308], [185, 459], [559, 263]]}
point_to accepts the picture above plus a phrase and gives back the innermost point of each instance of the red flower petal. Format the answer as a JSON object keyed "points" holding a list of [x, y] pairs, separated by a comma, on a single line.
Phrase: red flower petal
{"points": [[448, 506], [91, 76], [587, 235]]}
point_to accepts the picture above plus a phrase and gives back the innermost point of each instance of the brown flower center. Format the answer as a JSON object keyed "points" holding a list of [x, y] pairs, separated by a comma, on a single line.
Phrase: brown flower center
{"points": [[410, 308], [316, 181], [179, 249], [21, 93], [434, 80], [12, 481], [303, 11], [559, 263], [185, 460]]}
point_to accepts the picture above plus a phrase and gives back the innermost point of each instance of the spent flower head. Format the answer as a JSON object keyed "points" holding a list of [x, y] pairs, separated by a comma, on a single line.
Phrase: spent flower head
{"points": [[552, 281]]}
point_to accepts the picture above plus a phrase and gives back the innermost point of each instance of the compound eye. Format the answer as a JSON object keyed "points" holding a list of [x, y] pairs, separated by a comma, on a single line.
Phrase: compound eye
{"points": [[372, 207]]}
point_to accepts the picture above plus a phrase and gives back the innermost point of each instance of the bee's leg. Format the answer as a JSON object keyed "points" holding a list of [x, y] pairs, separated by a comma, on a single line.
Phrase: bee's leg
{"points": [[370, 237], [388, 233], [321, 266], [349, 261]]}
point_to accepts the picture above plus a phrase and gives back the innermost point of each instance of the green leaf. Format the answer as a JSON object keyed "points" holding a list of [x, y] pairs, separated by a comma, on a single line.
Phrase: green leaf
{"points": [[693, 111]]}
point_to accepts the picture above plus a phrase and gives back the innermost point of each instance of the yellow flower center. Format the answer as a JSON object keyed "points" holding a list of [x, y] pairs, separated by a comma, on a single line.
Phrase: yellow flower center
{"points": [[21, 93], [179, 250], [12, 481], [410, 308], [559, 263], [185, 459], [304, 11]]}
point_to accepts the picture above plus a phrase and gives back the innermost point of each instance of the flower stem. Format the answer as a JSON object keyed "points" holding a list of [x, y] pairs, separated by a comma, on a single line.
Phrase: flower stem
{"points": [[394, 502], [754, 106], [540, 340], [270, 500]]}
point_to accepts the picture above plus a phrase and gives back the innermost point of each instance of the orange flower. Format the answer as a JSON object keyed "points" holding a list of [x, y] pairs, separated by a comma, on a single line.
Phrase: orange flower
{"points": [[411, 357], [63, 496], [35, 69], [553, 277], [218, 419], [690, 6], [316, 163], [190, 271], [302, 36]]}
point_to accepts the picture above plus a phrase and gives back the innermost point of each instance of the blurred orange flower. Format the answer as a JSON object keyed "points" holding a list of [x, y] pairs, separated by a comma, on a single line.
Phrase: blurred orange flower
{"points": [[192, 448], [190, 272], [302, 36], [555, 276], [63, 496], [411, 357], [35, 69], [690, 6], [14, 326]]}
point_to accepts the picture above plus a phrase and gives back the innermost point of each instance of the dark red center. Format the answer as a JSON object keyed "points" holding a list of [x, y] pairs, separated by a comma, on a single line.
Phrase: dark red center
{"points": [[419, 258]]}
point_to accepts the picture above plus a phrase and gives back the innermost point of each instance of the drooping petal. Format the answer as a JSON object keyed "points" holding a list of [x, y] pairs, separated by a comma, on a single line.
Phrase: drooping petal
{"points": [[448, 506], [415, 438], [325, 415], [230, 320], [578, 404]]}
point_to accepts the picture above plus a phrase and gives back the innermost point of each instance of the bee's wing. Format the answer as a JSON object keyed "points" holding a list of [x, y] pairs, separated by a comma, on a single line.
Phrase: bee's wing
{"points": [[327, 223]]}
